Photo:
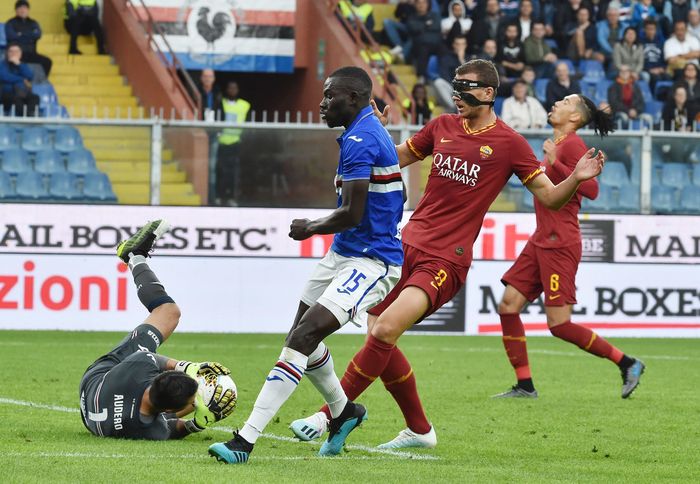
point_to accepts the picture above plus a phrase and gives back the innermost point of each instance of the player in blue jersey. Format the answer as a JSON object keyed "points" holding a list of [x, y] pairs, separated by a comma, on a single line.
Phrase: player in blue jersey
{"points": [[359, 270]]}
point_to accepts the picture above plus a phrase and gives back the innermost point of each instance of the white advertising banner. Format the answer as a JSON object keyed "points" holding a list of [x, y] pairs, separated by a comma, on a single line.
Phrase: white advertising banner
{"points": [[639, 300]]}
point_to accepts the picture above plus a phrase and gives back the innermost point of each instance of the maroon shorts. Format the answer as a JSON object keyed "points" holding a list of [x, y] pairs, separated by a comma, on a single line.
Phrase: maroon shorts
{"points": [[550, 270], [438, 278]]}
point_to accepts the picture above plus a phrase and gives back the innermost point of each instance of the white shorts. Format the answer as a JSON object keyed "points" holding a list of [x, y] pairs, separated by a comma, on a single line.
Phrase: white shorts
{"points": [[349, 286]]}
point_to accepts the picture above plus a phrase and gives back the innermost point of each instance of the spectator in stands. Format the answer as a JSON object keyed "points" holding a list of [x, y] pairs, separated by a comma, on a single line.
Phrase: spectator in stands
{"points": [[584, 43], [210, 93], [609, 31], [598, 9], [538, 53], [448, 63], [456, 23], [82, 17], [677, 114], [358, 11], [509, 8], [419, 106], [424, 29], [629, 53], [679, 9], [690, 81], [652, 45], [521, 111], [694, 23], [25, 32], [625, 12], [228, 164], [528, 77], [510, 53], [489, 52], [487, 26], [397, 33], [565, 22], [642, 10], [525, 20], [16, 82], [681, 48], [625, 97], [561, 86]]}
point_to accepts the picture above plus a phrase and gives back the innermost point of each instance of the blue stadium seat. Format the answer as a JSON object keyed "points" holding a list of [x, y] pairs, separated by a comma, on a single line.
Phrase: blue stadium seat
{"points": [[30, 186], [15, 161], [654, 108], [498, 106], [537, 147], [6, 189], [696, 175], [3, 39], [66, 139], [646, 90], [690, 199], [601, 90], [675, 175], [64, 186], [8, 138], [53, 111], [46, 93], [603, 203], [81, 162], [433, 69], [527, 203], [614, 174], [663, 199], [35, 139], [98, 188], [592, 71], [661, 89], [49, 161], [628, 199], [541, 89]]}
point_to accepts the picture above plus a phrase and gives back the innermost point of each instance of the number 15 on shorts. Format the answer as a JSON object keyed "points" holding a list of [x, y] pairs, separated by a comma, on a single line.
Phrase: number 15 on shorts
{"points": [[352, 282]]}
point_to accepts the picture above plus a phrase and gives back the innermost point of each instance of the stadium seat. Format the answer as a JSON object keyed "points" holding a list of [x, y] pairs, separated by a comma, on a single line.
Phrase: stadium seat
{"points": [[49, 161], [64, 186], [30, 186], [46, 93], [3, 39], [53, 111], [661, 89], [674, 175], [541, 89], [15, 161], [592, 71], [614, 175], [98, 188], [662, 199], [628, 199], [646, 90], [603, 203], [696, 175], [35, 139], [38, 74], [8, 138], [537, 147], [498, 107], [654, 108], [81, 162], [66, 139], [6, 189], [690, 199], [601, 90], [433, 69]]}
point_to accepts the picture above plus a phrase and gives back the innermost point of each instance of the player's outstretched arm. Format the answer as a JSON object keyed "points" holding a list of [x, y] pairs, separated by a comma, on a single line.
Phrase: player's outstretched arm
{"points": [[555, 197], [347, 216]]}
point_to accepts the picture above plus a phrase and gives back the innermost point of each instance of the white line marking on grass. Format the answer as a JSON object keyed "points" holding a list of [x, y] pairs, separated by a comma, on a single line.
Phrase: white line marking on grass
{"points": [[365, 448]]}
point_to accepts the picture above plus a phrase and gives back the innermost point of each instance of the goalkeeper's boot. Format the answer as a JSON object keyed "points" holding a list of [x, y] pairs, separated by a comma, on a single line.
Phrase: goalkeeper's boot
{"points": [[141, 243], [340, 427], [235, 451], [631, 376], [516, 392], [407, 438], [310, 428]]}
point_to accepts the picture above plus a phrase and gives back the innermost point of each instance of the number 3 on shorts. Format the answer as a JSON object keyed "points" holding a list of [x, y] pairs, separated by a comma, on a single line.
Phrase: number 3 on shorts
{"points": [[352, 283]]}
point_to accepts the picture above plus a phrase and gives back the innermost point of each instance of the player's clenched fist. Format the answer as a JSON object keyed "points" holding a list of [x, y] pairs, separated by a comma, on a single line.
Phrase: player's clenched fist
{"points": [[550, 151], [299, 229]]}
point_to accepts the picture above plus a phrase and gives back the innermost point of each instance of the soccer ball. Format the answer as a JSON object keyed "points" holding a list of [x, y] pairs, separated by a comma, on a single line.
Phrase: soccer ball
{"points": [[208, 385]]}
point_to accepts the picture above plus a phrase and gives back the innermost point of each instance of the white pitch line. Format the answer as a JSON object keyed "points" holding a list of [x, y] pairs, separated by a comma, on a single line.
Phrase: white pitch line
{"points": [[373, 450]]}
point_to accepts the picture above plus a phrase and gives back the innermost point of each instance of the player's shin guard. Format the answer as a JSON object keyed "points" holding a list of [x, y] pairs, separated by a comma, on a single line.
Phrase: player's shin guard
{"points": [[321, 373], [587, 340], [150, 290], [279, 386], [400, 381], [515, 344]]}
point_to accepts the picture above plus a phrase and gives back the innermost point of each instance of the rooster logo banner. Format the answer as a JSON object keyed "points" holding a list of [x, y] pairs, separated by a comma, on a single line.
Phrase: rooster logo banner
{"points": [[227, 35]]}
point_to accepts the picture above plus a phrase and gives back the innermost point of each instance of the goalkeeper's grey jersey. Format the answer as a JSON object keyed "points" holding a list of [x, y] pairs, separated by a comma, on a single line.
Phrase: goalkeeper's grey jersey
{"points": [[110, 402]]}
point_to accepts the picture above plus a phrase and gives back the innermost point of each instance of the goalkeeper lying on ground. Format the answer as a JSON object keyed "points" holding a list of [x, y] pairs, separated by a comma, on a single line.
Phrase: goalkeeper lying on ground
{"points": [[132, 391]]}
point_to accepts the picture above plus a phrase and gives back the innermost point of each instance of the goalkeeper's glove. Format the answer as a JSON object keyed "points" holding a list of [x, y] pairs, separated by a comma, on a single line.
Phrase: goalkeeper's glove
{"points": [[203, 417], [223, 403], [206, 369]]}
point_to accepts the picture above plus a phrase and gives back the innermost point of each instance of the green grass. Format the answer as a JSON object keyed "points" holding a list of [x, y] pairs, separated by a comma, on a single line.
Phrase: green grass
{"points": [[578, 430]]}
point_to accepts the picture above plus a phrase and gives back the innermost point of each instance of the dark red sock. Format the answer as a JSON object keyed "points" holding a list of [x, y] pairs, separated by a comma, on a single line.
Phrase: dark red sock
{"points": [[515, 344], [587, 340], [364, 368], [400, 381]]}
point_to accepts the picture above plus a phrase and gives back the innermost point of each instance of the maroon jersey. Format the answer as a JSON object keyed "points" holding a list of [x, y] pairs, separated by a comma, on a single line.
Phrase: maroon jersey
{"points": [[469, 170], [559, 228]]}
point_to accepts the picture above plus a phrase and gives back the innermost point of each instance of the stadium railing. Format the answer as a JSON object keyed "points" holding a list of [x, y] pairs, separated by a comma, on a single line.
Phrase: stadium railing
{"points": [[286, 158]]}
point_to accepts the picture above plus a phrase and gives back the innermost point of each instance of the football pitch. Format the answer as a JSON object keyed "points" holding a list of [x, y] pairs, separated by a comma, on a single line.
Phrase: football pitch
{"points": [[578, 430]]}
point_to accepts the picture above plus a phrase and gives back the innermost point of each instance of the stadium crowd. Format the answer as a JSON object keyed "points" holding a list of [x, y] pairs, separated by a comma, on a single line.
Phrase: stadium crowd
{"points": [[638, 58]]}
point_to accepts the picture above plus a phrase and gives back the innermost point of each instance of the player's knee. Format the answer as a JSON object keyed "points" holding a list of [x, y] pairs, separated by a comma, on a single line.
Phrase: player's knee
{"points": [[384, 331], [304, 339]]}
